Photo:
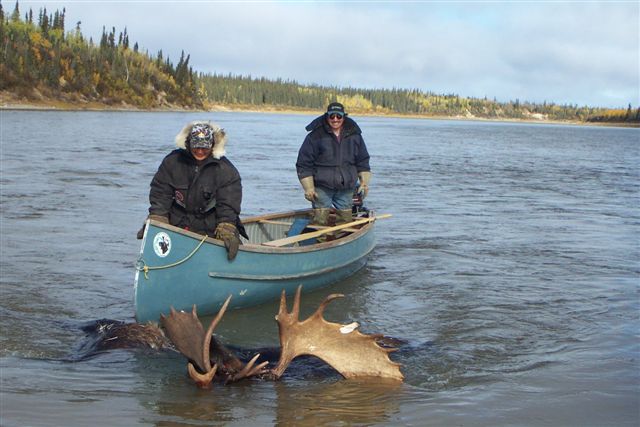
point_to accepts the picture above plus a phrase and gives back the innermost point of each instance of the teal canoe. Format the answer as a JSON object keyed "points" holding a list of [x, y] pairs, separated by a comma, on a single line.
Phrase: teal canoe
{"points": [[178, 268]]}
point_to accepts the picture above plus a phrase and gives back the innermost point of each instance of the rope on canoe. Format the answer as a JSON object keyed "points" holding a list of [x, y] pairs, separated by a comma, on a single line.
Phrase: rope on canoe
{"points": [[142, 266]]}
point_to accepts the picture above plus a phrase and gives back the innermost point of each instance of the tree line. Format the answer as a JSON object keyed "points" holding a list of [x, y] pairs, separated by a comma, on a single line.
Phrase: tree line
{"points": [[41, 58], [244, 90]]}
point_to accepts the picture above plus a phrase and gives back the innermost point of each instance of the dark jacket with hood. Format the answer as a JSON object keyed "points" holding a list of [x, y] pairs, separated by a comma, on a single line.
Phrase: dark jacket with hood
{"points": [[197, 197], [333, 164]]}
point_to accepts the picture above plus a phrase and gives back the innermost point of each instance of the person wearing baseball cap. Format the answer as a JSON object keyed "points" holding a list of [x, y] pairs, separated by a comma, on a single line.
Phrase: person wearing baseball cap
{"points": [[331, 160], [197, 187]]}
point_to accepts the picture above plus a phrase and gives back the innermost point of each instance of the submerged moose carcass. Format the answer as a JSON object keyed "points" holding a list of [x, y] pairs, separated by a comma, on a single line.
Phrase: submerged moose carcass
{"points": [[350, 352]]}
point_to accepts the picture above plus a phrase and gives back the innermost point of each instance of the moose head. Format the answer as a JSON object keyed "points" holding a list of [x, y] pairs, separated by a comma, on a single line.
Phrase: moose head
{"points": [[350, 352]]}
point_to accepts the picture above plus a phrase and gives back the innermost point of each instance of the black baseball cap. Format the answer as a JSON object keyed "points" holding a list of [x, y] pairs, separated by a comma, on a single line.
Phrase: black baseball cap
{"points": [[336, 108]]}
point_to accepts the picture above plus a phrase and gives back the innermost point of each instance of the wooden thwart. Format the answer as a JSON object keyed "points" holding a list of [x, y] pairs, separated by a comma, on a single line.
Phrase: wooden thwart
{"points": [[312, 226], [305, 236]]}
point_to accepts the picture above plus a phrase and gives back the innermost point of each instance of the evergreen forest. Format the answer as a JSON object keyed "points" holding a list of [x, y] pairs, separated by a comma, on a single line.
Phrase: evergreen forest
{"points": [[42, 58]]}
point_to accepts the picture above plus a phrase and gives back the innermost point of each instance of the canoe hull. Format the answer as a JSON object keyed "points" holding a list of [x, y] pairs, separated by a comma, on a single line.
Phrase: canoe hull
{"points": [[186, 269]]}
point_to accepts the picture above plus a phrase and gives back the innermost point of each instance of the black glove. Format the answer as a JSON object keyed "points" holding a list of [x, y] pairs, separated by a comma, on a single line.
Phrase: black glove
{"points": [[140, 234], [158, 218], [228, 233]]}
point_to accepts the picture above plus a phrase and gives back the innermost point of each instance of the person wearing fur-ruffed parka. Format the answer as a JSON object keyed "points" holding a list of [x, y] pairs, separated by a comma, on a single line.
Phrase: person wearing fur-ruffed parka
{"points": [[197, 188]]}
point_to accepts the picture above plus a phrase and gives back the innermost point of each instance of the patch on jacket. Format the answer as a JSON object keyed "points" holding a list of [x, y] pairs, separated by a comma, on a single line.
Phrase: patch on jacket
{"points": [[179, 198]]}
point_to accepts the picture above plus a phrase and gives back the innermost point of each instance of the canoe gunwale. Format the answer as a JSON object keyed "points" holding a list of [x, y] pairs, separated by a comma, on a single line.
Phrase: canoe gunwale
{"points": [[252, 247]]}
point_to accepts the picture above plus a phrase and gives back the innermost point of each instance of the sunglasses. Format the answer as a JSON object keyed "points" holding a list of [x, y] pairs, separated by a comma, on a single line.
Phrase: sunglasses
{"points": [[336, 116]]}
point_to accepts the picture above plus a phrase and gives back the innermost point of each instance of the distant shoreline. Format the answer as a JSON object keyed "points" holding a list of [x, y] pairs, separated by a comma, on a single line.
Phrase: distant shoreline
{"points": [[9, 101]]}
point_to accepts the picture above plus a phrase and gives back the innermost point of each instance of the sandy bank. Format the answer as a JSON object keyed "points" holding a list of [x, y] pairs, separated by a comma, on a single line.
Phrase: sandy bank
{"points": [[11, 101]]}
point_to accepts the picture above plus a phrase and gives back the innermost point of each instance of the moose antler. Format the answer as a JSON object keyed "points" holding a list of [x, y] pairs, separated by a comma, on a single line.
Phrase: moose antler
{"points": [[347, 350], [190, 339]]}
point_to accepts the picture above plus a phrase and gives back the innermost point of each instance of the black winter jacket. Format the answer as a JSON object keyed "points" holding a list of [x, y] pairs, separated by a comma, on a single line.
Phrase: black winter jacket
{"points": [[195, 197], [334, 165]]}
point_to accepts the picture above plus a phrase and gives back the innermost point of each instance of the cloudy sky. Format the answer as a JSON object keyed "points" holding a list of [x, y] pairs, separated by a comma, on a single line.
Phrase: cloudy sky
{"points": [[566, 52]]}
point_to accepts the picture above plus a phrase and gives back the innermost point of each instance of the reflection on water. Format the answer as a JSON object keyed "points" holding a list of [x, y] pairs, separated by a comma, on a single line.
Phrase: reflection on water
{"points": [[340, 402], [311, 400], [510, 266]]}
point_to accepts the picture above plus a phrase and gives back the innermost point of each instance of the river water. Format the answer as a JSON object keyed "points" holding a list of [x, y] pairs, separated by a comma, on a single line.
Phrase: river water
{"points": [[510, 267]]}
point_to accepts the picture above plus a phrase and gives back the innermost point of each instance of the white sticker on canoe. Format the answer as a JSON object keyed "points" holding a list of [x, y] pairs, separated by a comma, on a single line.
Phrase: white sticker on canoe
{"points": [[162, 244]]}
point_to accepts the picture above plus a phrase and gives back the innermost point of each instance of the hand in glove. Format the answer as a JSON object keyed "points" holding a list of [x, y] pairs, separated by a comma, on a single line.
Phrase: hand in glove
{"points": [[363, 188], [309, 188], [228, 233], [158, 218]]}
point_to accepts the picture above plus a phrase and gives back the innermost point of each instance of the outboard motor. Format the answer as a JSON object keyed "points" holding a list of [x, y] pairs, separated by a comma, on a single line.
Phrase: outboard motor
{"points": [[358, 208]]}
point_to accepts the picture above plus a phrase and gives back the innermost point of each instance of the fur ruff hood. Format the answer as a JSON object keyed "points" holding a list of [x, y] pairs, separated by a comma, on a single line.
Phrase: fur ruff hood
{"points": [[219, 138]]}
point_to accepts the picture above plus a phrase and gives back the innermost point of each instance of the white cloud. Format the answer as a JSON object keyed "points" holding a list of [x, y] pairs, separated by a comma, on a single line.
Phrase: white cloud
{"points": [[564, 52]]}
